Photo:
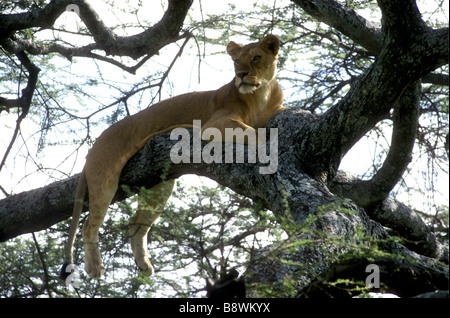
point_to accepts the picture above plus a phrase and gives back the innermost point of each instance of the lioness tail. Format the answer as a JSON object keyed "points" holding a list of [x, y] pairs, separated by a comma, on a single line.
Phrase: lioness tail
{"points": [[77, 209]]}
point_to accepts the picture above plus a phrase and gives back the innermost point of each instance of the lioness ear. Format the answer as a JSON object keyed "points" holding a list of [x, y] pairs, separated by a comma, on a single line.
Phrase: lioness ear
{"points": [[233, 48], [271, 43]]}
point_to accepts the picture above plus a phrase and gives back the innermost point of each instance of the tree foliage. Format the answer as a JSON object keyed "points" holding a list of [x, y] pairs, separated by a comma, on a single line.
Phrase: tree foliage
{"points": [[203, 233], [66, 77]]}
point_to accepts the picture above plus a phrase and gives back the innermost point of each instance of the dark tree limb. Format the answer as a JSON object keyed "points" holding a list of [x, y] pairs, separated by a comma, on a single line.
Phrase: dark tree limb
{"points": [[408, 280], [24, 101], [370, 193], [146, 43], [345, 20], [397, 216], [289, 189], [436, 78], [413, 51]]}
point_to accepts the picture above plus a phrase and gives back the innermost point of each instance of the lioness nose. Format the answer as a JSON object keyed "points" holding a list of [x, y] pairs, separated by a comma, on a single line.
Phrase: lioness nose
{"points": [[241, 74]]}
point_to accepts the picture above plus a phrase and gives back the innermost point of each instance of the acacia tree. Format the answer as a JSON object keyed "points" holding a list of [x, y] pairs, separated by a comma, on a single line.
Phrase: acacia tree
{"points": [[336, 222]]}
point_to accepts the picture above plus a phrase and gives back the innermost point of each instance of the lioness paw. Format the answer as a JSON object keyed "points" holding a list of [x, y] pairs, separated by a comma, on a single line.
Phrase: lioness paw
{"points": [[95, 271], [145, 267]]}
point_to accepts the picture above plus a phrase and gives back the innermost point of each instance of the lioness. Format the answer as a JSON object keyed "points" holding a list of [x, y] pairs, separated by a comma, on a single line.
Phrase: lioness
{"points": [[248, 101]]}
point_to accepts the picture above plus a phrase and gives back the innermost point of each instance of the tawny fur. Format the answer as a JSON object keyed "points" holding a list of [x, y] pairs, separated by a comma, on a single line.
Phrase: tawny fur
{"points": [[248, 101]]}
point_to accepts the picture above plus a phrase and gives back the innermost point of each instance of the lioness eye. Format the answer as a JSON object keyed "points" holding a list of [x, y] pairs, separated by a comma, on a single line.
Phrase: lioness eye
{"points": [[256, 58]]}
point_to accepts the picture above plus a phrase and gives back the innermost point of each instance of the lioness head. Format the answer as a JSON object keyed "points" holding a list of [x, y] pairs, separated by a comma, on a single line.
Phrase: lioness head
{"points": [[254, 63]]}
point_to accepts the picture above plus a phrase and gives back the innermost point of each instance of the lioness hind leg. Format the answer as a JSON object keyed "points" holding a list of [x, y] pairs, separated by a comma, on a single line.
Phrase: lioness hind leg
{"points": [[92, 259], [98, 206], [151, 204]]}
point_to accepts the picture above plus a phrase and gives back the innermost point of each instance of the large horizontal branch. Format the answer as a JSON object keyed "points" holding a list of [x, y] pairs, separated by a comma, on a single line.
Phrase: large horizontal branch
{"points": [[42, 18], [38, 209]]}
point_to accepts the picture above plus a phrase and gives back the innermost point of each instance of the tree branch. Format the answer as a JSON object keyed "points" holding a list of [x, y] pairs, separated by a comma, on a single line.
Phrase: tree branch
{"points": [[412, 52], [24, 102], [436, 78], [38, 209], [408, 280], [346, 21], [370, 193], [148, 42], [43, 18], [397, 216]]}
